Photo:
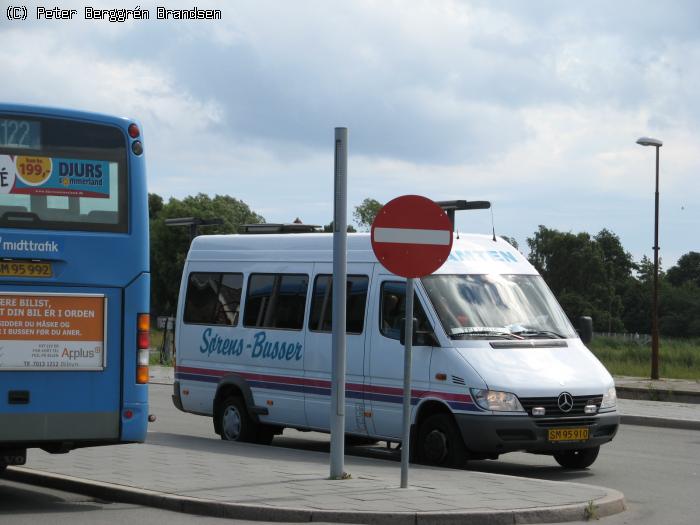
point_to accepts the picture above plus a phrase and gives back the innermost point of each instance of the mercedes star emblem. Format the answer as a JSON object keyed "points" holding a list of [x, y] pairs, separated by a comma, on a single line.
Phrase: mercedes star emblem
{"points": [[565, 402]]}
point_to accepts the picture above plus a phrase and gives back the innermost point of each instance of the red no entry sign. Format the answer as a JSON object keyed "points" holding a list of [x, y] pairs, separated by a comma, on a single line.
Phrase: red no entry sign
{"points": [[412, 236]]}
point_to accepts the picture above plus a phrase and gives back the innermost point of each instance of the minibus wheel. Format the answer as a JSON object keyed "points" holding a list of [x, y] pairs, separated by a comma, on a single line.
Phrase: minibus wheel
{"points": [[440, 442], [265, 434], [579, 458], [236, 424], [358, 441]]}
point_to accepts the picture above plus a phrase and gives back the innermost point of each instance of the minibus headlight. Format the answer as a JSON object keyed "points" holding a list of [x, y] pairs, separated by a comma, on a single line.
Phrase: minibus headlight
{"points": [[609, 398], [497, 401]]}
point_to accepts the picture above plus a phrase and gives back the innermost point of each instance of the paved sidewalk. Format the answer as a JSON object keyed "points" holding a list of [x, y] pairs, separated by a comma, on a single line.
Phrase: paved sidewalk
{"points": [[676, 390], [245, 481]]}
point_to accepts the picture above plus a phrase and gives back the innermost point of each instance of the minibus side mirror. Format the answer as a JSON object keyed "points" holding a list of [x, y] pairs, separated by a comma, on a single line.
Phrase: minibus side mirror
{"points": [[585, 329], [420, 338]]}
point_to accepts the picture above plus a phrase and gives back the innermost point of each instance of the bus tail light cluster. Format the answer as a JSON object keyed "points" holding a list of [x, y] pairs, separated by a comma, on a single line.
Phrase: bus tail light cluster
{"points": [[134, 133], [143, 326]]}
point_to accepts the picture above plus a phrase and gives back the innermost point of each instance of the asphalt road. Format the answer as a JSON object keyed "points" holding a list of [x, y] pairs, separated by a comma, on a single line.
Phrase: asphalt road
{"points": [[22, 504], [657, 469]]}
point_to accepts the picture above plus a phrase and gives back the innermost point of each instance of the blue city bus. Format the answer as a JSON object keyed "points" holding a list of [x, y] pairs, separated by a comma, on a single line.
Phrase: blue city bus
{"points": [[74, 281]]}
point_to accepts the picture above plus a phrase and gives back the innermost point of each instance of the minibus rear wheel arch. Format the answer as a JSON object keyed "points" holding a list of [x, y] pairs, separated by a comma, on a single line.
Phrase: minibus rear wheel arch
{"points": [[224, 391]]}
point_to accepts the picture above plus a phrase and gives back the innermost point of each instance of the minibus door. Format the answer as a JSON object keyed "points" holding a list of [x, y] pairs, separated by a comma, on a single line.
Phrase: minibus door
{"points": [[386, 355], [319, 348]]}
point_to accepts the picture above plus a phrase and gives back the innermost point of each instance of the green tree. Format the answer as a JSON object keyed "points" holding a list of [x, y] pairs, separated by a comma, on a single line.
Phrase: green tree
{"points": [[510, 240], [686, 270], [585, 273], [155, 205], [328, 228], [169, 245], [679, 298], [619, 266], [365, 213], [679, 309]]}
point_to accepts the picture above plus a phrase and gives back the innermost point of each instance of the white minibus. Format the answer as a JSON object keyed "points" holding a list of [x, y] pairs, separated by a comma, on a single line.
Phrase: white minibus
{"points": [[497, 366]]}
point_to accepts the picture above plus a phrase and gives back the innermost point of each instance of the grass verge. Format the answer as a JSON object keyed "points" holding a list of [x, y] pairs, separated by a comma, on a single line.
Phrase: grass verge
{"points": [[678, 358]]}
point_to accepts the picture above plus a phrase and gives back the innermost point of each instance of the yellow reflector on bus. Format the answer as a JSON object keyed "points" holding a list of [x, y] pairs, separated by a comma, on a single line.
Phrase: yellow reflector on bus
{"points": [[142, 375], [144, 322]]}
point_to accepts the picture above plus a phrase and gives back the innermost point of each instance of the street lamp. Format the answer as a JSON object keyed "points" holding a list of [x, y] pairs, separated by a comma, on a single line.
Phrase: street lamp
{"points": [[647, 141]]}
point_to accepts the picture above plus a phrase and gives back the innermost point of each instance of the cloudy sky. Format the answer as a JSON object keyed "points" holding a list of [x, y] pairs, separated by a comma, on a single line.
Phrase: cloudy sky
{"points": [[535, 106]]}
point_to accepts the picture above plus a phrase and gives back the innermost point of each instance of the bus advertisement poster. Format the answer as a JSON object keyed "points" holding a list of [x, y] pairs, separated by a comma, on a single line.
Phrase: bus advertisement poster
{"points": [[35, 175], [52, 331]]}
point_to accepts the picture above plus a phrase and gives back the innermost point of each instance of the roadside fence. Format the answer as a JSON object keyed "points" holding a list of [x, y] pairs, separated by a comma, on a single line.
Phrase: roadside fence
{"points": [[642, 339]]}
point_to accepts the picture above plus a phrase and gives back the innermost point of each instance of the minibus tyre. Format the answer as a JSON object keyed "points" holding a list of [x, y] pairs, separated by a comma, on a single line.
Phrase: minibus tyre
{"points": [[236, 424], [265, 434], [440, 443], [358, 441], [577, 458]]}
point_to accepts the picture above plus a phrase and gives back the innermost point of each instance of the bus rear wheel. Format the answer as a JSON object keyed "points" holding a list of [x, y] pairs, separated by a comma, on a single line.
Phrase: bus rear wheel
{"points": [[236, 424], [578, 458], [440, 442]]}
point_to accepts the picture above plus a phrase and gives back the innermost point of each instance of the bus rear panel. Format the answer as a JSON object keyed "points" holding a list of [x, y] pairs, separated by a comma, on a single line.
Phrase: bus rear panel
{"points": [[74, 281]]}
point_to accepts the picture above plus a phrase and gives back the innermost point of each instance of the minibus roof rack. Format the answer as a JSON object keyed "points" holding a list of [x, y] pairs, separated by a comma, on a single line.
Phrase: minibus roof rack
{"points": [[279, 228], [451, 207]]}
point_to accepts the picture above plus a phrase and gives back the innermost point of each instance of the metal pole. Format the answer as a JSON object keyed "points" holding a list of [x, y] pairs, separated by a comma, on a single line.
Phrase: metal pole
{"points": [[655, 295], [406, 442], [339, 291]]}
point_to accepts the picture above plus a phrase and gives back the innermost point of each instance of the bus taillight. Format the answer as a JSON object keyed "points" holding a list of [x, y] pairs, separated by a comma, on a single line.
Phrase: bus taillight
{"points": [[143, 325]]}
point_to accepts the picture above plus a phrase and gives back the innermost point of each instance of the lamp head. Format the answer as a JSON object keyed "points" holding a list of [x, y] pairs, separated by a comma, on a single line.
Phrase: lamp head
{"points": [[648, 141]]}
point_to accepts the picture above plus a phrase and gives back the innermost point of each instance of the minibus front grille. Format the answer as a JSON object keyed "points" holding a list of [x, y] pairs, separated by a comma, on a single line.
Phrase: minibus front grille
{"points": [[565, 422], [551, 405]]}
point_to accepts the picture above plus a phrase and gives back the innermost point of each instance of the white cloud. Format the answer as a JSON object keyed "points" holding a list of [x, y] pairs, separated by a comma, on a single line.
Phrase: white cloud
{"points": [[533, 105]]}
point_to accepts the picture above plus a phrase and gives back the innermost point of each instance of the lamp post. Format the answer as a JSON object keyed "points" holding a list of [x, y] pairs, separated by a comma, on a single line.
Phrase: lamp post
{"points": [[647, 141]]}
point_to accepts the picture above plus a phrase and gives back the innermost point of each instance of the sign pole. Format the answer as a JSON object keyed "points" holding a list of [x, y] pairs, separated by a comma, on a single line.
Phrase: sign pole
{"points": [[339, 291], [411, 237], [406, 443]]}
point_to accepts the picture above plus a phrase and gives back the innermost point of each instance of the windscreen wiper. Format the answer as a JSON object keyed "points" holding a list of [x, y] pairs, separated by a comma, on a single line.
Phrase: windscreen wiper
{"points": [[528, 334], [486, 333]]}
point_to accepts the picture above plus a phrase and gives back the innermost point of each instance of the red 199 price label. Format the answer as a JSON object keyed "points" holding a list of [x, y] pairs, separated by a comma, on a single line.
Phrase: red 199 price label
{"points": [[33, 170]]}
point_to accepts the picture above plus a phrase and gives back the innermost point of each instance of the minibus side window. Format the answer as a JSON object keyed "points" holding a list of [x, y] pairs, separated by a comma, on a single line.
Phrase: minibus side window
{"points": [[321, 317], [276, 301], [392, 313], [213, 298]]}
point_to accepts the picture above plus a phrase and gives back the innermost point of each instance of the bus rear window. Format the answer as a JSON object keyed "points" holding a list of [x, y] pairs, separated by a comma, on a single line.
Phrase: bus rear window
{"points": [[69, 176]]}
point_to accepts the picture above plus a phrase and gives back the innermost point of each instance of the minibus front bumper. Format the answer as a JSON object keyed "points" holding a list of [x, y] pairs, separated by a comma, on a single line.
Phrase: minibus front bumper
{"points": [[495, 434]]}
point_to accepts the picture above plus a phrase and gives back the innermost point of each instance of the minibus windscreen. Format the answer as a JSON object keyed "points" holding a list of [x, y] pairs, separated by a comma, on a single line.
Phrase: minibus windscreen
{"points": [[504, 306]]}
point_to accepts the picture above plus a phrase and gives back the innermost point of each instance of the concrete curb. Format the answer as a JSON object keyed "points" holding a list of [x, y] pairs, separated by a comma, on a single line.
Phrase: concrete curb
{"points": [[658, 394], [662, 422], [612, 503]]}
